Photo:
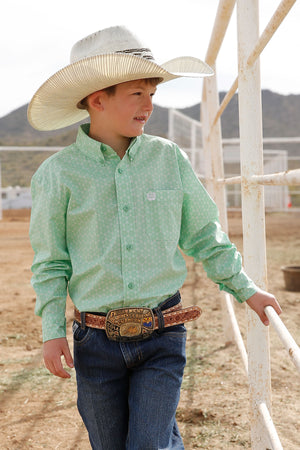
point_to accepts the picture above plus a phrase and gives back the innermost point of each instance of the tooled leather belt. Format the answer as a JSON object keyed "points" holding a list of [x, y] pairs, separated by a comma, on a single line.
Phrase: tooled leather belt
{"points": [[125, 324]]}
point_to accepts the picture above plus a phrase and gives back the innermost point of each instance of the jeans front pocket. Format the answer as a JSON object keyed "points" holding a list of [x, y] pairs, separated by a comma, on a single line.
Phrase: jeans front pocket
{"points": [[163, 214], [80, 335], [175, 331]]}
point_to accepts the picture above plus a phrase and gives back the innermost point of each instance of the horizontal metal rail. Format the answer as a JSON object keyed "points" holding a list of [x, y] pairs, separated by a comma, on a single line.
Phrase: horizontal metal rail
{"points": [[226, 101], [266, 140], [271, 430], [283, 333], [15, 148], [289, 177], [184, 116], [222, 19], [276, 20], [233, 141], [285, 336], [290, 346], [236, 331]]}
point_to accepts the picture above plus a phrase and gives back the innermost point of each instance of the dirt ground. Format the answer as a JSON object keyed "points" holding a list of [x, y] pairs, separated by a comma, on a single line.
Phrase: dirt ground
{"points": [[39, 411]]}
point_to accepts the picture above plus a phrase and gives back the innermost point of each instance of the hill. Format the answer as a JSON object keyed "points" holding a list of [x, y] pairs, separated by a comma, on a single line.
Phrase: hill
{"points": [[280, 118]]}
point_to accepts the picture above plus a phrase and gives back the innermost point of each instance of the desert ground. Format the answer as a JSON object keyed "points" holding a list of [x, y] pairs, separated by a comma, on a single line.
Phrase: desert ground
{"points": [[38, 410]]}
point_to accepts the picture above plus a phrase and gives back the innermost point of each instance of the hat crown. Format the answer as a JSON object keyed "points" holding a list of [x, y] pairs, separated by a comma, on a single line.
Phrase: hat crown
{"points": [[116, 39], [105, 58]]}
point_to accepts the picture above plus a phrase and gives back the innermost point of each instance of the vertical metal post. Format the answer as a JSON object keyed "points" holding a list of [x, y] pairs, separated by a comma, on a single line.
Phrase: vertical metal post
{"points": [[0, 194], [205, 139], [213, 151], [251, 143], [212, 143], [170, 124], [193, 144]]}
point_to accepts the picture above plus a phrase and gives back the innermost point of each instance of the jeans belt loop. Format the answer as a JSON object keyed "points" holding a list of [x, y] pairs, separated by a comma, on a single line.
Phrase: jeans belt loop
{"points": [[82, 320], [160, 319]]}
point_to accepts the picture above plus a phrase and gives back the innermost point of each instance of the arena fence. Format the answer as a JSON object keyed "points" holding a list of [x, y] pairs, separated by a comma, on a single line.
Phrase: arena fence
{"points": [[187, 133], [17, 189], [252, 179]]}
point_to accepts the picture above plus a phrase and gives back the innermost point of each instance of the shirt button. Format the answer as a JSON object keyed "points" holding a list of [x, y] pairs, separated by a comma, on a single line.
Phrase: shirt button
{"points": [[129, 247], [120, 170], [130, 285], [126, 208]]}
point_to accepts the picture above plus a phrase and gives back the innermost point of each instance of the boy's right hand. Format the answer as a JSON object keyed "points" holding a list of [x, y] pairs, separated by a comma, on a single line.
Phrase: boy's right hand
{"points": [[53, 350]]}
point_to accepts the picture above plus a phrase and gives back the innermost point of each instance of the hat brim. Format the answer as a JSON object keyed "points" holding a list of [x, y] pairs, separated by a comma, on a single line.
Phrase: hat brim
{"points": [[54, 105]]}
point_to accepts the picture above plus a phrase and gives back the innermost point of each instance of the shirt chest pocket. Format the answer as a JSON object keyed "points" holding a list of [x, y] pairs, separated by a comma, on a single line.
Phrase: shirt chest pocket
{"points": [[163, 214]]}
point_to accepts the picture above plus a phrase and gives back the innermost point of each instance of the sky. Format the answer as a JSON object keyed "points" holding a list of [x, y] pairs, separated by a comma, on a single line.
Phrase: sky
{"points": [[36, 38]]}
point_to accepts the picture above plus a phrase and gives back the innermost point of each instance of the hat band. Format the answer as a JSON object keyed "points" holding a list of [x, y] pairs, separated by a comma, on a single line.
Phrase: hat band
{"points": [[141, 52]]}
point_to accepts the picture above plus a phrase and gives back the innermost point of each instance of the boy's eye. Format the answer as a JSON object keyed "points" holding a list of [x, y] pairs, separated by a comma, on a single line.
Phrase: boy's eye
{"points": [[141, 93]]}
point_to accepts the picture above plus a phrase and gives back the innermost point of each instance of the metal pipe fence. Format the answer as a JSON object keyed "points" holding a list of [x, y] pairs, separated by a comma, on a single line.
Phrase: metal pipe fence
{"points": [[277, 18], [250, 46]]}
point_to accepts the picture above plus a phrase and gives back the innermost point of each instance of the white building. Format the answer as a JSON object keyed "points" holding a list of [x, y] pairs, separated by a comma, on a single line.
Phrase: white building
{"points": [[15, 197]]}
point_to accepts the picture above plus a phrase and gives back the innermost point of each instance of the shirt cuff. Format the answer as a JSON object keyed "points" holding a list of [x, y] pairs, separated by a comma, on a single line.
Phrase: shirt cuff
{"points": [[242, 294], [53, 325]]}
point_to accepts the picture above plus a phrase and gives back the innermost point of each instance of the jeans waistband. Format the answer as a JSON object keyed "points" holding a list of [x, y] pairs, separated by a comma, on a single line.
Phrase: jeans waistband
{"points": [[166, 304], [131, 323], [169, 302]]}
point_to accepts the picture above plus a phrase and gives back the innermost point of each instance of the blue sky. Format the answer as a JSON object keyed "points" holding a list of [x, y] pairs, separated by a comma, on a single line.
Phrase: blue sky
{"points": [[36, 38]]}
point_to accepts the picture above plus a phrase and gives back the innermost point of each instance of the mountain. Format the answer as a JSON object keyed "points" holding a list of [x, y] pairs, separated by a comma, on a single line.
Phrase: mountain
{"points": [[280, 118], [15, 130]]}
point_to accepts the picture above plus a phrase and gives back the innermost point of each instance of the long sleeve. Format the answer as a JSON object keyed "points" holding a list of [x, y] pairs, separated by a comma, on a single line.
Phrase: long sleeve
{"points": [[107, 230], [202, 238], [51, 265]]}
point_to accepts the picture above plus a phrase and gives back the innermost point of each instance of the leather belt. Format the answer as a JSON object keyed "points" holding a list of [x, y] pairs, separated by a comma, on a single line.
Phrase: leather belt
{"points": [[125, 324]]}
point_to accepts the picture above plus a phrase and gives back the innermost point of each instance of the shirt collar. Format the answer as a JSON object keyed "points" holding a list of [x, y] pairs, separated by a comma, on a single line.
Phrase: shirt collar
{"points": [[133, 147], [90, 147], [96, 150]]}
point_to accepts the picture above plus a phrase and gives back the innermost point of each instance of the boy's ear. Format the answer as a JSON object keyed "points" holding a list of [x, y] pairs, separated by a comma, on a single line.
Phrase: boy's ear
{"points": [[95, 101]]}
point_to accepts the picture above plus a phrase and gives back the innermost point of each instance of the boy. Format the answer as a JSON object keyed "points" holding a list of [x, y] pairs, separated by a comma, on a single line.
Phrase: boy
{"points": [[109, 213]]}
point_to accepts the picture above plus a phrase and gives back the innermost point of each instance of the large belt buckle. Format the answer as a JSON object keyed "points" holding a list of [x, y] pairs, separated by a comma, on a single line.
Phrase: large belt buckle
{"points": [[129, 324]]}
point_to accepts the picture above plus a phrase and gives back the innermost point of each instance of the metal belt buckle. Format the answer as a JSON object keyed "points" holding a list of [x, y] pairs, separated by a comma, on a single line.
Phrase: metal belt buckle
{"points": [[129, 324]]}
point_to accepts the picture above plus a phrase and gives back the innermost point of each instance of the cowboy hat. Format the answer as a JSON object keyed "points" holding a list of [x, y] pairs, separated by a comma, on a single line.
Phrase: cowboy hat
{"points": [[110, 56]]}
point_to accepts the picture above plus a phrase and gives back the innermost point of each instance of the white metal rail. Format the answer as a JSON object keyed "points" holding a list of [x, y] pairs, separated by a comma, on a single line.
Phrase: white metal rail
{"points": [[290, 177], [285, 336], [250, 46], [277, 18]]}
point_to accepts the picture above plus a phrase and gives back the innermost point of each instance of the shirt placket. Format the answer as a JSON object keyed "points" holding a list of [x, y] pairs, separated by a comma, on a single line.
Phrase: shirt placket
{"points": [[126, 211]]}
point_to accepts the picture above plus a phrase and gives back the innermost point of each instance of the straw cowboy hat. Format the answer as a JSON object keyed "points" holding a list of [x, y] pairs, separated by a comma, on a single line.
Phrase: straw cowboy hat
{"points": [[110, 56]]}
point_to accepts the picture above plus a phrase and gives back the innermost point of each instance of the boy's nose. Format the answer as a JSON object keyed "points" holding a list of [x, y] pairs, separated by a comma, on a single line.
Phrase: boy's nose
{"points": [[148, 105]]}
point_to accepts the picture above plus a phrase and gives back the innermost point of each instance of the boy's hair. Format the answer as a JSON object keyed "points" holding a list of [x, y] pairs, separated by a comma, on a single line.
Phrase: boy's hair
{"points": [[111, 90]]}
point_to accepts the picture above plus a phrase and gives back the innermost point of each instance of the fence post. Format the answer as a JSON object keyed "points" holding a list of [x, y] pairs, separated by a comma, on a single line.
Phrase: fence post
{"points": [[0, 193], [250, 116], [193, 144], [170, 124], [213, 151]]}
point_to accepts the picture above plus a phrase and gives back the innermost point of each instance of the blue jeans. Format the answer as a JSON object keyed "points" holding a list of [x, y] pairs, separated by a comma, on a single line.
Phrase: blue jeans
{"points": [[128, 392]]}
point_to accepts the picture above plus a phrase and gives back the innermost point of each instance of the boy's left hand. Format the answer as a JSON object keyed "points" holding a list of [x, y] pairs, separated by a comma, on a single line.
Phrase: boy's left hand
{"points": [[259, 301]]}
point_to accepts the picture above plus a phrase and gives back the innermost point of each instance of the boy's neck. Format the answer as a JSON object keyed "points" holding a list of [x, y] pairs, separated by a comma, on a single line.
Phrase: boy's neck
{"points": [[118, 143]]}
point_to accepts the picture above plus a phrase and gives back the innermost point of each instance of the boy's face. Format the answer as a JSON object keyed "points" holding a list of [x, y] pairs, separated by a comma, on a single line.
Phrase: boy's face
{"points": [[129, 108]]}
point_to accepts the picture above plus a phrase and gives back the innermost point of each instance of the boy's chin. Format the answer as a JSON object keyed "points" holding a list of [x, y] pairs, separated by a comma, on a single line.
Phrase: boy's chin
{"points": [[137, 134]]}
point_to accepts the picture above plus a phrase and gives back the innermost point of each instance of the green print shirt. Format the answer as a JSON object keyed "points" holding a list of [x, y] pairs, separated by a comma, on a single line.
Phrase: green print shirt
{"points": [[110, 231]]}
